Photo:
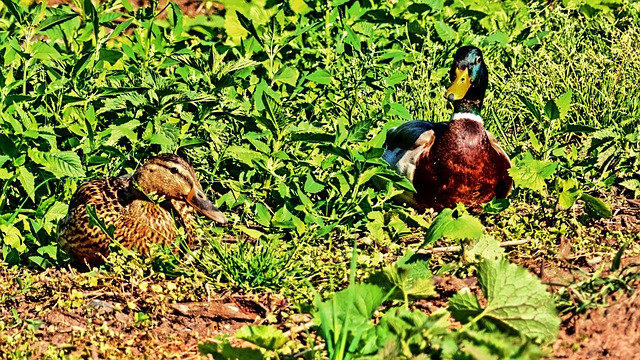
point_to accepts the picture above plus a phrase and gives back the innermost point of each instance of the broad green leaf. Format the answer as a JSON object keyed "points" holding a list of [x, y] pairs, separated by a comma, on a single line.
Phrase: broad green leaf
{"points": [[533, 109], [263, 216], [176, 17], [563, 103], [376, 226], [570, 193], [287, 75], [535, 143], [320, 76], [263, 336], [486, 247], [453, 224], [517, 300], [551, 110], [12, 237], [396, 109], [43, 51], [120, 28], [496, 206], [531, 174], [225, 351], [595, 207], [253, 233], [411, 278], [497, 37], [311, 186], [395, 78], [161, 139], [464, 306], [350, 308], [445, 32]]}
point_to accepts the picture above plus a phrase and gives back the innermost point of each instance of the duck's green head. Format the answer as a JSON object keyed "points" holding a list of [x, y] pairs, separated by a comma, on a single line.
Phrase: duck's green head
{"points": [[469, 76]]}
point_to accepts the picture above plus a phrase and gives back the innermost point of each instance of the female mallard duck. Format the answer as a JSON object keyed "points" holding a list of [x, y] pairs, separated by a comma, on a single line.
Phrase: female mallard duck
{"points": [[458, 161], [138, 209]]}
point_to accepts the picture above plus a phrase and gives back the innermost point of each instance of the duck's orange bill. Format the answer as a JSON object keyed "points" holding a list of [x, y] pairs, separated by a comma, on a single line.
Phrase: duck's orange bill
{"points": [[200, 202], [460, 86]]}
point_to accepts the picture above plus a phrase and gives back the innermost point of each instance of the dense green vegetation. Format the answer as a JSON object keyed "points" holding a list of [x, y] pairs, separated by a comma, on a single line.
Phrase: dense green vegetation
{"points": [[283, 109]]}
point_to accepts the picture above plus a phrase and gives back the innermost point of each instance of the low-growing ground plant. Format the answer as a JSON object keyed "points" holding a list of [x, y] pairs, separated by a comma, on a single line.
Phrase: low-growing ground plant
{"points": [[283, 109]]}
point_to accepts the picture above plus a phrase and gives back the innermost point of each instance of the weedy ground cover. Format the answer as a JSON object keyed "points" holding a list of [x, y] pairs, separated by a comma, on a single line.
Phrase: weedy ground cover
{"points": [[283, 109]]}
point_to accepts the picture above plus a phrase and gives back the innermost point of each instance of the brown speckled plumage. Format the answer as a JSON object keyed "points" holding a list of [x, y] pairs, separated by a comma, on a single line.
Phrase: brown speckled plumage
{"points": [[126, 204]]}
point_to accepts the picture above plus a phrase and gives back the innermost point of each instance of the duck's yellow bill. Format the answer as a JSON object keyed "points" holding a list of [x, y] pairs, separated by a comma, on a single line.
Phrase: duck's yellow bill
{"points": [[460, 86]]}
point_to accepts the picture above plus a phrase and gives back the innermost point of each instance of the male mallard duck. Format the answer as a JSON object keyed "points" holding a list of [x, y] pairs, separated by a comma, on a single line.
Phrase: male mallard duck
{"points": [[125, 204], [458, 161]]}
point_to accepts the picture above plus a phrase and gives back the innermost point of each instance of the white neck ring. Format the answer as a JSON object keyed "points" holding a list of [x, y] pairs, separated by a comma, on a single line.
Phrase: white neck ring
{"points": [[466, 115]]}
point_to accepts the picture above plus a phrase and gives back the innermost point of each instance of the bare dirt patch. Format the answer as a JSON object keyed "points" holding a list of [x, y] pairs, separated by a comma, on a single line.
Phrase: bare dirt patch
{"points": [[612, 332], [100, 316]]}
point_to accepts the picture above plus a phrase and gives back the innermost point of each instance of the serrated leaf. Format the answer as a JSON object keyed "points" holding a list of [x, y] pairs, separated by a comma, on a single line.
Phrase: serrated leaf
{"points": [[531, 174], [313, 137], [464, 306], [411, 278], [453, 224], [244, 155], [27, 181], [496, 206], [517, 300], [320, 76], [631, 184], [60, 163], [263, 336]]}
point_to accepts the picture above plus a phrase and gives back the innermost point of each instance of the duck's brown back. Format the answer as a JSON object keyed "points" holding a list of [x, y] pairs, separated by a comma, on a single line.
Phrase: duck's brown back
{"points": [[76, 234], [137, 222], [462, 167]]}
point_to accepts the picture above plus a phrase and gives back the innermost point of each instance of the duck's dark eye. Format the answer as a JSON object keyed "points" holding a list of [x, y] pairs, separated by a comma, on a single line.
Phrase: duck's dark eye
{"points": [[174, 170], [479, 60]]}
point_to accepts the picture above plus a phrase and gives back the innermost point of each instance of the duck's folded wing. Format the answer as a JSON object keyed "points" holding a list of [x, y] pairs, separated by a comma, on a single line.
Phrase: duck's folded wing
{"points": [[498, 149], [407, 142]]}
